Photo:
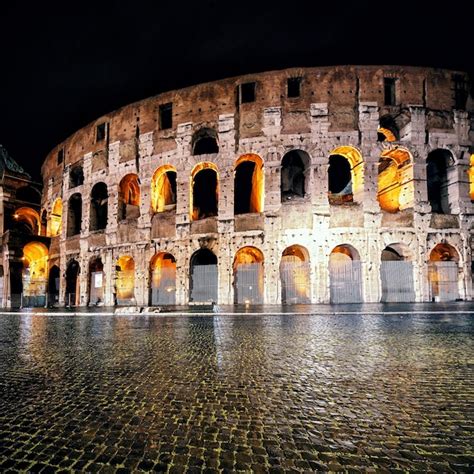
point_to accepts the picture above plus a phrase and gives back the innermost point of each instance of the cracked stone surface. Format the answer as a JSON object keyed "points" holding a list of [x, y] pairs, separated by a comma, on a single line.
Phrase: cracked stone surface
{"points": [[279, 393]]}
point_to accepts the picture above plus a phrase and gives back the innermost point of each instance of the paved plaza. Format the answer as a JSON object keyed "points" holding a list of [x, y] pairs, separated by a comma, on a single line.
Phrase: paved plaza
{"points": [[225, 393]]}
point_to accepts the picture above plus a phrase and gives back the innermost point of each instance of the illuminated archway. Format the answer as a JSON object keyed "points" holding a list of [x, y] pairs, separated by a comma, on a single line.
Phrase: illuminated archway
{"points": [[35, 274], [471, 178], [125, 280], [249, 188], [98, 207], [388, 129], [295, 275], [163, 279], [163, 189], [396, 274], [27, 221], [395, 180], [96, 281], [203, 273], [72, 283], [204, 142], [443, 273], [294, 177], [56, 217], [129, 197], [345, 174], [345, 274], [204, 191], [248, 276]]}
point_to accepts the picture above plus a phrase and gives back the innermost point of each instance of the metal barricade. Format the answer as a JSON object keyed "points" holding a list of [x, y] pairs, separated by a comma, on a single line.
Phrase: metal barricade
{"points": [[345, 281], [203, 287], [295, 282], [248, 283], [163, 286], [443, 278], [397, 281]]}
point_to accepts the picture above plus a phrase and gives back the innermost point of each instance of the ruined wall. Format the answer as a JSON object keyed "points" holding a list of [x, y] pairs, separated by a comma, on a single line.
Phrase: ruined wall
{"points": [[336, 107]]}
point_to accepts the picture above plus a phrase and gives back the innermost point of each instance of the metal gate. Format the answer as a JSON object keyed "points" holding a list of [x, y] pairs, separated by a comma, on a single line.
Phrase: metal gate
{"points": [[96, 288], [397, 281], [125, 287], [163, 286], [248, 283], [295, 282], [203, 284], [346, 282], [443, 277]]}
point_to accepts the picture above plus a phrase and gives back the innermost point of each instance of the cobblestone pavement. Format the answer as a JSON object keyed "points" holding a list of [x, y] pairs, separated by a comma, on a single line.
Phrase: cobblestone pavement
{"points": [[237, 393]]}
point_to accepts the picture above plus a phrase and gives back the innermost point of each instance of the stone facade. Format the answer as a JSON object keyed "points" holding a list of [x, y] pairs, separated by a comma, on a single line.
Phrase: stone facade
{"points": [[360, 113]]}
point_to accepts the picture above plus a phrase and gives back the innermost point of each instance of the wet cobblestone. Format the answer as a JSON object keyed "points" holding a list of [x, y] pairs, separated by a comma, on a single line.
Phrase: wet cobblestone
{"points": [[237, 393]]}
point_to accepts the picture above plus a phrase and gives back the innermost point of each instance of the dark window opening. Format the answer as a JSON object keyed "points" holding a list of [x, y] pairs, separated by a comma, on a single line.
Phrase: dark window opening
{"points": [[205, 194], [166, 116], [72, 273], [171, 186], [294, 86], [247, 92], [205, 142], [129, 197], [101, 132], [60, 156], [389, 91], [99, 207], [437, 165], [292, 179], [243, 187], [203, 257], [53, 284], [76, 177], [340, 180], [74, 217], [461, 92], [28, 194], [388, 129]]}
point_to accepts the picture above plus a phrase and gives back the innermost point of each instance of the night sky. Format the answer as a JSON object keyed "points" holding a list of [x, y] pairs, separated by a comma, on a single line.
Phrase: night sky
{"points": [[61, 69]]}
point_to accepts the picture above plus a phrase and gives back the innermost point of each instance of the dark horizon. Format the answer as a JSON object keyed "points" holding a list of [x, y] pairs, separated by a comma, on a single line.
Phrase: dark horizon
{"points": [[61, 71]]}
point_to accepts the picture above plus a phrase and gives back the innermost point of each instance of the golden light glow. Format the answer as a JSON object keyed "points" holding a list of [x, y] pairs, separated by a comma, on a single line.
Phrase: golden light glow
{"points": [[125, 278], [194, 212], [343, 253], [395, 180], [129, 189], [258, 181], [444, 253], [354, 157], [56, 218], [161, 191], [35, 268], [248, 256], [294, 256], [30, 217], [163, 270], [470, 173], [388, 134]]}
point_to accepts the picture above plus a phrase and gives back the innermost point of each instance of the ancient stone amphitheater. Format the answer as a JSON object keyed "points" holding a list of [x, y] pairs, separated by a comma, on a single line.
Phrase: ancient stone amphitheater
{"points": [[306, 185]]}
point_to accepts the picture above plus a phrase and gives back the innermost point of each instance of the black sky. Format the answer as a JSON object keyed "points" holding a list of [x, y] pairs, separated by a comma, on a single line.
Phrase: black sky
{"points": [[61, 68]]}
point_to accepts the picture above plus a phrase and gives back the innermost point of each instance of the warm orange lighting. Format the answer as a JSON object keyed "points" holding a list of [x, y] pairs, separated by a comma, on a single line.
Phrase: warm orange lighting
{"points": [[354, 157], [257, 193], [343, 253], [125, 278], [35, 268], [30, 217], [162, 195], [444, 253], [247, 257], [293, 262], [56, 217], [194, 211], [388, 134], [470, 173], [163, 270], [129, 189]]}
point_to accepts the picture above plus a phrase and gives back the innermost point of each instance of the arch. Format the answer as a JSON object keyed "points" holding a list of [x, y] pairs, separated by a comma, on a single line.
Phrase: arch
{"points": [[204, 191], [35, 274], [74, 215], [163, 189], [396, 274], [248, 276], [53, 285], [28, 194], [388, 129], [295, 275], [76, 176], [203, 276], [56, 218], [125, 280], [345, 275], [345, 174], [163, 279], [249, 184], [471, 177], [204, 142], [129, 197], [72, 283], [395, 180], [98, 207], [27, 221], [96, 281], [294, 176], [443, 273], [439, 169]]}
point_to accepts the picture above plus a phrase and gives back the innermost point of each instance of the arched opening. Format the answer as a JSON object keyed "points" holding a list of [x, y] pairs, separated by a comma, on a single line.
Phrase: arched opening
{"points": [[388, 129], [294, 178], [129, 197], [471, 178], [396, 274], [395, 180], [345, 275], [44, 223], [76, 177], [96, 282], [99, 207], [27, 221], [345, 175], [205, 142], [125, 281], [248, 276], [249, 189], [443, 273], [203, 276], [53, 286], [74, 215], [72, 283], [35, 274], [295, 276], [56, 217], [163, 279], [439, 166], [28, 194], [163, 189], [204, 191]]}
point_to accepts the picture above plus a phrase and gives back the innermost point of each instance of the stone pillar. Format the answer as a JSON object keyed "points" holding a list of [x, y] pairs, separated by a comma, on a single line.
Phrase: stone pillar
{"points": [[141, 269], [112, 204], [272, 182], [109, 278], [145, 151], [272, 282]]}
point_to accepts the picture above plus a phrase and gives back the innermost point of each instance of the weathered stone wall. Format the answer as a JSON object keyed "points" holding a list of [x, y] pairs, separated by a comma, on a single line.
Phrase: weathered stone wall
{"points": [[338, 106]]}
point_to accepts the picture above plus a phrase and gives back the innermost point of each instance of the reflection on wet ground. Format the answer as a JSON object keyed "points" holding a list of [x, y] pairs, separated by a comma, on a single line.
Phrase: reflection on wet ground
{"points": [[272, 393]]}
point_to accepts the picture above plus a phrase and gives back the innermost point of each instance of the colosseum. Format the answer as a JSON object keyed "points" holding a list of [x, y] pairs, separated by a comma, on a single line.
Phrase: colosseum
{"points": [[305, 185]]}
